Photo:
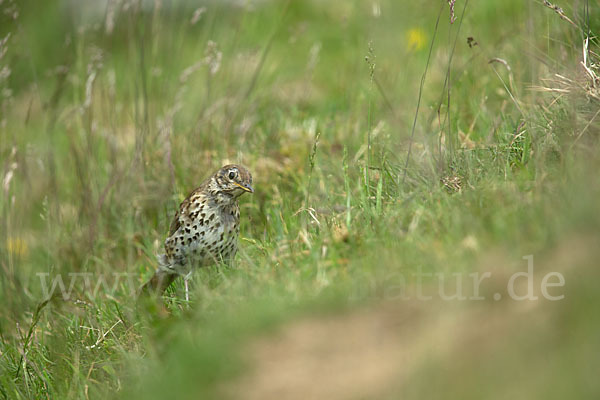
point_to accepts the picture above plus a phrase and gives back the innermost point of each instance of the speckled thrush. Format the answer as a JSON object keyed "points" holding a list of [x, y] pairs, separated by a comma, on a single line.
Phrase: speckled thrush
{"points": [[205, 229]]}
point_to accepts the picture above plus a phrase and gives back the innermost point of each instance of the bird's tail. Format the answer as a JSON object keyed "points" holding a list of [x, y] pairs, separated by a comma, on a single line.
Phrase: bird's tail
{"points": [[161, 279]]}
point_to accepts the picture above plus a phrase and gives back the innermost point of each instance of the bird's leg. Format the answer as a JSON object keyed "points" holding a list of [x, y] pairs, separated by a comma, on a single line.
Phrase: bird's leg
{"points": [[187, 290]]}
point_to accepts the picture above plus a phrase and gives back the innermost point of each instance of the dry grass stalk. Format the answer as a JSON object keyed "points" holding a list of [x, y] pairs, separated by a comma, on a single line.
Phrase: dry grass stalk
{"points": [[560, 12], [451, 4]]}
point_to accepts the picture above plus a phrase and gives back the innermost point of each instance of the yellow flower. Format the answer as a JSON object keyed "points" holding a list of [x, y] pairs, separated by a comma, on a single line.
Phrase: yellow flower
{"points": [[16, 246], [415, 39]]}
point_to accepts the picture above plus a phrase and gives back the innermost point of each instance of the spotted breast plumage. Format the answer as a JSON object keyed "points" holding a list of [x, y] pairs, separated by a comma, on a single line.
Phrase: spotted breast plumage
{"points": [[206, 227]]}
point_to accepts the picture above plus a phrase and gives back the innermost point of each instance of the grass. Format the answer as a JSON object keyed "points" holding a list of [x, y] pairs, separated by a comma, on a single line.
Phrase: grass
{"points": [[109, 119]]}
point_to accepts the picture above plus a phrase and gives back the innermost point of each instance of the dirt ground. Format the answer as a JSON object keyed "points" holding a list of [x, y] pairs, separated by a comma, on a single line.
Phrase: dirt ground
{"points": [[379, 351]]}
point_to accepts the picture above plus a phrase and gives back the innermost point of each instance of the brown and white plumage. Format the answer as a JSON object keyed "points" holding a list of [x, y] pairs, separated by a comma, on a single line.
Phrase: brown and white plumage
{"points": [[205, 229]]}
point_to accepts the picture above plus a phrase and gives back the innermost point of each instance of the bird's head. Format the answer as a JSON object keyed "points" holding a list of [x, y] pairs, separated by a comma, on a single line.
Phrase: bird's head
{"points": [[234, 180]]}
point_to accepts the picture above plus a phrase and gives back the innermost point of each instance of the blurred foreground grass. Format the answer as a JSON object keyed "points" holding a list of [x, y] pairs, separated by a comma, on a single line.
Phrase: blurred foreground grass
{"points": [[111, 115]]}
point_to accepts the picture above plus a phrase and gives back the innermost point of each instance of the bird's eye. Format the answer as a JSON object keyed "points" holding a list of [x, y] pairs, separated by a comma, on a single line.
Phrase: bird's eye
{"points": [[231, 174]]}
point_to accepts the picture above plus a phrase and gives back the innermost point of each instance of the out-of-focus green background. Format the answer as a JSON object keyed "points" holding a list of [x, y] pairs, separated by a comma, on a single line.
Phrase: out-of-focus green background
{"points": [[112, 111]]}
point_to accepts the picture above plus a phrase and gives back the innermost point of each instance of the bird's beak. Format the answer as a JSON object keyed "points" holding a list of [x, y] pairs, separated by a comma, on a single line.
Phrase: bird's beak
{"points": [[246, 187]]}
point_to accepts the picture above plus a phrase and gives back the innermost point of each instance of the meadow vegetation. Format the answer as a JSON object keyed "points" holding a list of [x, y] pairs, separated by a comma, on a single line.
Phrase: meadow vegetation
{"points": [[111, 115]]}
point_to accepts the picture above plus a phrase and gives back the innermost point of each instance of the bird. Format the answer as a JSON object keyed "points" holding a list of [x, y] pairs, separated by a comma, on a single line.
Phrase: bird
{"points": [[205, 228]]}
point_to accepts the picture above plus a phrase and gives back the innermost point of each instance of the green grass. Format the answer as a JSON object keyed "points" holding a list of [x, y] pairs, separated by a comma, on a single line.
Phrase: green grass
{"points": [[103, 132]]}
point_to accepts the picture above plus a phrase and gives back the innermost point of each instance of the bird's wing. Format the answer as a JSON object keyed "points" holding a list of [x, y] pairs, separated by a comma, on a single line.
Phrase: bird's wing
{"points": [[176, 223], [184, 210]]}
